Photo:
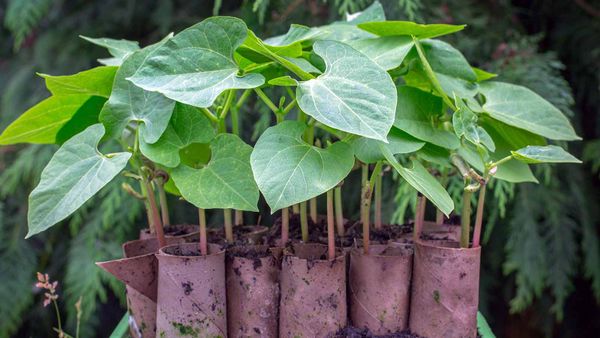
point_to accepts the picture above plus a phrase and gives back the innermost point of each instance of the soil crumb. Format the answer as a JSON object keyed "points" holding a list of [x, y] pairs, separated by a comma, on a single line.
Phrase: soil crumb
{"points": [[353, 332]]}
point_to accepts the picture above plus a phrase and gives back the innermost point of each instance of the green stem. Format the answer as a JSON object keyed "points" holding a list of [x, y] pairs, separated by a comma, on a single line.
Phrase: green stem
{"points": [[235, 121], [479, 216], [203, 237], [285, 225], [501, 161], [243, 98], [238, 217], [267, 100], [339, 212], [378, 183], [57, 315], [303, 222], [313, 209], [330, 226], [151, 224], [431, 75], [465, 224], [162, 198], [296, 208], [363, 184], [228, 225], [210, 115], [228, 101]]}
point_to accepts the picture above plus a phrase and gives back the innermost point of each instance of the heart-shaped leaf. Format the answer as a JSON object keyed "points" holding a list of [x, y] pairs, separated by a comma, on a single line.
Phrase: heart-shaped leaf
{"points": [[415, 114], [388, 51], [289, 170], [226, 182], [197, 65], [353, 95], [119, 49], [129, 103], [367, 150], [447, 60], [76, 172], [96, 81], [44, 122], [188, 125], [389, 28], [544, 154], [420, 179], [520, 107]]}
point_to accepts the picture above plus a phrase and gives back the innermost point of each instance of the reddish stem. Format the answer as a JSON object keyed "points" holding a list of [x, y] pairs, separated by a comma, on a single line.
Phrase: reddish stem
{"points": [[419, 218], [160, 234], [479, 217], [285, 225], [330, 226]]}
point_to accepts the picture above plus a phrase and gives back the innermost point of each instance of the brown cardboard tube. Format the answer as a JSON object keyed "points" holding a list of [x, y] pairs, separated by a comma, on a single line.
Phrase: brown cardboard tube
{"points": [[313, 292], [445, 290], [191, 292], [379, 287], [252, 292]]}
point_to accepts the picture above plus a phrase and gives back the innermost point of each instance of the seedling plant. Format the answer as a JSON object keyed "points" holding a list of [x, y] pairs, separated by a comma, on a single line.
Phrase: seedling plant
{"points": [[363, 93]]}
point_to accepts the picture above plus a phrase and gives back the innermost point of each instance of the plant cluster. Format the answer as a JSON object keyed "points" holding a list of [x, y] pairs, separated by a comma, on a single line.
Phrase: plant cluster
{"points": [[372, 89], [409, 74]]}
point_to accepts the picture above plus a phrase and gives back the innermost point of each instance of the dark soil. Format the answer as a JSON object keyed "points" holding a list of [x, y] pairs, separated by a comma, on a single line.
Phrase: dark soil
{"points": [[240, 236], [381, 236], [318, 232], [353, 332], [248, 252], [177, 230]]}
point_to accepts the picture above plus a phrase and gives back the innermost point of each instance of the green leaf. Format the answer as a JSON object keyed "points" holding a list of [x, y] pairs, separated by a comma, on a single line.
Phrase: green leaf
{"points": [[483, 328], [447, 60], [420, 179], [120, 49], [293, 37], [544, 154], [96, 81], [388, 51], [43, 122], [367, 150], [225, 182], [76, 172], [483, 75], [122, 327], [511, 171], [129, 103], [284, 81], [465, 124], [415, 113], [353, 95], [374, 12], [289, 170], [188, 125], [389, 28], [196, 66], [520, 107]]}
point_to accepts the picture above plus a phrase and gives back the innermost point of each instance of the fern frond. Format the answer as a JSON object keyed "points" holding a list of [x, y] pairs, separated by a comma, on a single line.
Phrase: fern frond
{"points": [[525, 254], [109, 220], [411, 8], [18, 262], [22, 17]]}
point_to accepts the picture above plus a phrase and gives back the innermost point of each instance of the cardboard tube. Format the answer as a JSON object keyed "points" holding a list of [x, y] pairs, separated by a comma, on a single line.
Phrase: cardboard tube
{"points": [[252, 292], [445, 290], [191, 292], [379, 288], [313, 292]]}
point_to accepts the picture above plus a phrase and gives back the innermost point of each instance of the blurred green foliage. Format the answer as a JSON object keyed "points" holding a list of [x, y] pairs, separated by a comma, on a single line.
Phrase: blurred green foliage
{"points": [[541, 264]]}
